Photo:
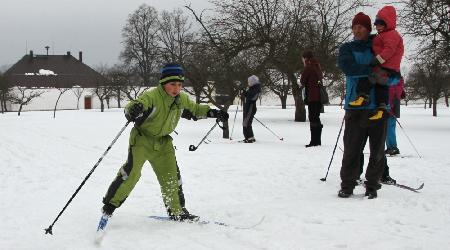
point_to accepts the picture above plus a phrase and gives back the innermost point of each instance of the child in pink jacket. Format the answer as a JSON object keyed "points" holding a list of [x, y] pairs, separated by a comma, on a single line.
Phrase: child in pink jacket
{"points": [[388, 49]]}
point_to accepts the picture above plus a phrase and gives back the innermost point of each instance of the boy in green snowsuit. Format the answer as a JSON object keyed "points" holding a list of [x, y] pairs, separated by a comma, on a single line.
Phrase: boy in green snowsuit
{"points": [[156, 114]]}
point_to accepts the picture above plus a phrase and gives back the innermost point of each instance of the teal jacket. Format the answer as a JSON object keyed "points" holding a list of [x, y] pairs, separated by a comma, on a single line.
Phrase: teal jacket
{"points": [[354, 58]]}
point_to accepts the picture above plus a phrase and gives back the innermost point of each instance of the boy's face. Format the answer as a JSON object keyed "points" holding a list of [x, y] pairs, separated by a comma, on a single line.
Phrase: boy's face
{"points": [[380, 28], [360, 32], [173, 88]]}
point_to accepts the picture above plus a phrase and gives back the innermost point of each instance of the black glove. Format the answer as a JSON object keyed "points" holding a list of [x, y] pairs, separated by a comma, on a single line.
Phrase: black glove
{"points": [[188, 115], [219, 114], [133, 112], [374, 62], [403, 95]]}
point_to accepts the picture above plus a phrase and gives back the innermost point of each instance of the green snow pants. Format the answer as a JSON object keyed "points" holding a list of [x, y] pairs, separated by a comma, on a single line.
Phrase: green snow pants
{"points": [[160, 153]]}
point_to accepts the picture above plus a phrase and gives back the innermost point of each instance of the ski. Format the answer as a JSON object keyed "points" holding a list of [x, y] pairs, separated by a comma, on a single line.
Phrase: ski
{"points": [[101, 229], [400, 156], [416, 190], [206, 222]]}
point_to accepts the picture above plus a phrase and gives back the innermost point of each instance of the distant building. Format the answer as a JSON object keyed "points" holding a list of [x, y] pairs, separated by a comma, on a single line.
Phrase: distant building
{"points": [[48, 72]]}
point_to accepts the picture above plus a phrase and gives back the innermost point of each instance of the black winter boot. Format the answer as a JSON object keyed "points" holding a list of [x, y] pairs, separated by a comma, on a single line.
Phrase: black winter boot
{"points": [[319, 135], [371, 193], [316, 133], [184, 216], [345, 193]]}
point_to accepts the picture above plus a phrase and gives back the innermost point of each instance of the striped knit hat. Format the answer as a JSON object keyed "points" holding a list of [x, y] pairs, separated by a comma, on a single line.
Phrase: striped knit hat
{"points": [[171, 72]]}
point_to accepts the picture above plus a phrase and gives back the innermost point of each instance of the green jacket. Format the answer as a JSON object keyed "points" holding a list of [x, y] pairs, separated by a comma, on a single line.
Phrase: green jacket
{"points": [[162, 111]]}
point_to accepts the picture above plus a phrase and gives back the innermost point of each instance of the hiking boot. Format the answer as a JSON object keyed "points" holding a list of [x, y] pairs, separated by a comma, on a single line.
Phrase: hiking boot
{"points": [[392, 151], [371, 193], [360, 101], [388, 180], [345, 193]]}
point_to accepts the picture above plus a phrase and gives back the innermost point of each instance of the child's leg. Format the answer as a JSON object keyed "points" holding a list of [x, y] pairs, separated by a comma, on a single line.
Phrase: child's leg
{"points": [[381, 95], [363, 86], [362, 92], [126, 178]]}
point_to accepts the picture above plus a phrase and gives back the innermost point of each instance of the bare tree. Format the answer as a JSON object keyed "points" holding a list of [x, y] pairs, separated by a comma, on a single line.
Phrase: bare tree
{"points": [[102, 92], [278, 84], [24, 95], [175, 35], [61, 92], [427, 20], [4, 93], [78, 91], [197, 70], [429, 79], [140, 36]]}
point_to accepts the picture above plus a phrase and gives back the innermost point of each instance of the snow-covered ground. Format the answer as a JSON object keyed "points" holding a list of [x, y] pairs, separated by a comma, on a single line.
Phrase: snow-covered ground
{"points": [[43, 160]]}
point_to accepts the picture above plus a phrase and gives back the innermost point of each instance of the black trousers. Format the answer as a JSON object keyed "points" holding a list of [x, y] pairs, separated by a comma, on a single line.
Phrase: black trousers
{"points": [[314, 113], [357, 128], [249, 114]]}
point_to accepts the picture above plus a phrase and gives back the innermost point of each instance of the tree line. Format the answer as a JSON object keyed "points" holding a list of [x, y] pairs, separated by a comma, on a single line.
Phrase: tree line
{"points": [[221, 47]]}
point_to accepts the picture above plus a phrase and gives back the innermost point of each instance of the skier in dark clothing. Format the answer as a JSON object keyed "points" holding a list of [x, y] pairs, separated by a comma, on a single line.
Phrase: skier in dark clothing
{"points": [[251, 96], [354, 58], [311, 79]]}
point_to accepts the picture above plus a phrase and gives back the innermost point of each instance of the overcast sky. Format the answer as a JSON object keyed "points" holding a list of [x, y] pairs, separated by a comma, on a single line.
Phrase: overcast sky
{"points": [[91, 26]]}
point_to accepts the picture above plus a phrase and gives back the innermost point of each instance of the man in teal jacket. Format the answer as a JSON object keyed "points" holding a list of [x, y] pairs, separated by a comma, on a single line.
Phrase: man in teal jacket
{"points": [[156, 114], [354, 59]]}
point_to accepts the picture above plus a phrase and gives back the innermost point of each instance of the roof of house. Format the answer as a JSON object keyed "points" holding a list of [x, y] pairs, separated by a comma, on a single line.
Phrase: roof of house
{"points": [[57, 71]]}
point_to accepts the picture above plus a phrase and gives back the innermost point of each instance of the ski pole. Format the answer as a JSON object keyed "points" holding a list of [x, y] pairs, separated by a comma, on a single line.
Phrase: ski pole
{"points": [[280, 138], [193, 148], [404, 132], [334, 150], [49, 229], [234, 120]]}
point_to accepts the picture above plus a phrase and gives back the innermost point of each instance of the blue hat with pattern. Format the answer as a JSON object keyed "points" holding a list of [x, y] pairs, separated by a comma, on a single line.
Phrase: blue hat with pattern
{"points": [[171, 72]]}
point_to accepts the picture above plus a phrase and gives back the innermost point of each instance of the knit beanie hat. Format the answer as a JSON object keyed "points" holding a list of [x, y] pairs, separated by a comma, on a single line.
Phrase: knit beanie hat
{"points": [[362, 19], [171, 72], [253, 80]]}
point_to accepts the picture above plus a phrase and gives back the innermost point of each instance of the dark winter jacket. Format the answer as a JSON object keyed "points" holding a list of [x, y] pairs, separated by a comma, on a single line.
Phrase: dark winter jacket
{"points": [[251, 96], [388, 45], [311, 78], [354, 58]]}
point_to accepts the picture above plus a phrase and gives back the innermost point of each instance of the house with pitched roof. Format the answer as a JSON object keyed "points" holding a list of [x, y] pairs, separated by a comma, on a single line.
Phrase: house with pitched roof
{"points": [[47, 73]]}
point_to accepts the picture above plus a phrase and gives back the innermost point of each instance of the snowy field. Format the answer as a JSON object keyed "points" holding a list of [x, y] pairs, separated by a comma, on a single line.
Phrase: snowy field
{"points": [[43, 160]]}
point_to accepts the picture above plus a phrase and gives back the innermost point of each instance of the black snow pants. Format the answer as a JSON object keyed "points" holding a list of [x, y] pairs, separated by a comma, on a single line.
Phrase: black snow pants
{"points": [[357, 128]]}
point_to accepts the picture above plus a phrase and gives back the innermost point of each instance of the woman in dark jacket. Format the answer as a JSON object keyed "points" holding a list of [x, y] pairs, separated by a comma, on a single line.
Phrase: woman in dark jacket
{"points": [[310, 80]]}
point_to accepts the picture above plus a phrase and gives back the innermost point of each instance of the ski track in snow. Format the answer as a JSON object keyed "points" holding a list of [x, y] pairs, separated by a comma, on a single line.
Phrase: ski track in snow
{"points": [[43, 160]]}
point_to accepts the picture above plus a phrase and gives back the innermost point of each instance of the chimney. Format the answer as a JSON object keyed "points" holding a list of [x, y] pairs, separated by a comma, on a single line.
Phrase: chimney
{"points": [[80, 56], [68, 53]]}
